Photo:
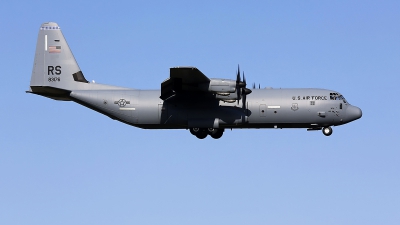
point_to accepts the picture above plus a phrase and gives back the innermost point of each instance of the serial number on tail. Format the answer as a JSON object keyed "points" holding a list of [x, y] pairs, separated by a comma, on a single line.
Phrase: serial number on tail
{"points": [[54, 79]]}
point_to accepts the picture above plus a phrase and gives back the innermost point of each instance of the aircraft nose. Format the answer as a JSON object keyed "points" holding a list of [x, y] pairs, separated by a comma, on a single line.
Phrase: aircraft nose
{"points": [[353, 113]]}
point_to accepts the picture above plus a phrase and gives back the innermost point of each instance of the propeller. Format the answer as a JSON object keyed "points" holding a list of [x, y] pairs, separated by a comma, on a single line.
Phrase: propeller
{"points": [[239, 85], [245, 91], [254, 86], [241, 89]]}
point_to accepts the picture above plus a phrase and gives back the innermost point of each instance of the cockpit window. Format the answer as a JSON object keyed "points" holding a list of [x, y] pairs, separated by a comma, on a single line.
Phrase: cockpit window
{"points": [[342, 98], [337, 96]]}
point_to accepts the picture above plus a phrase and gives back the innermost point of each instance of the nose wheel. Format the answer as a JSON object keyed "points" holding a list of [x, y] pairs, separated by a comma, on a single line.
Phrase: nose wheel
{"points": [[327, 131]]}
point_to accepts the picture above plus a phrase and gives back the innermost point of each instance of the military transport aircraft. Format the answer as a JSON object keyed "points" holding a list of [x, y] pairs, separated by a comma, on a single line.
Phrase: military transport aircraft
{"points": [[187, 100]]}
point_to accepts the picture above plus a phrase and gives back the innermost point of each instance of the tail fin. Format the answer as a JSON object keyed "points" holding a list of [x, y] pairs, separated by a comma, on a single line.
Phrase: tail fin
{"points": [[55, 71]]}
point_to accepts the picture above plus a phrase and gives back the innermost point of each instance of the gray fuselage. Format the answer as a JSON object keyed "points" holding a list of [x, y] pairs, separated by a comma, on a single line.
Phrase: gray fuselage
{"points": [[265, 108]]}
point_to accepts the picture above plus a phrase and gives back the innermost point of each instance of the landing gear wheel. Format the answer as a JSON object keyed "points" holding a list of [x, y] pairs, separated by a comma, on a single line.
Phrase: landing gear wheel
{"points": [[212, 131], [194, 130], [199, 133], [216, 133], [327, 131]]}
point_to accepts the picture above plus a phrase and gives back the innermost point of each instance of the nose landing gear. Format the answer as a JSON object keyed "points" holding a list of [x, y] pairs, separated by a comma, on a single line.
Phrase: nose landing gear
{"points": [[327, 131]]}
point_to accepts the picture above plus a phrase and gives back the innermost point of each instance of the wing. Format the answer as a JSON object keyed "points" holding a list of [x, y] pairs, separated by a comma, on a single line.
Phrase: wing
{"points": [[184, 80]]}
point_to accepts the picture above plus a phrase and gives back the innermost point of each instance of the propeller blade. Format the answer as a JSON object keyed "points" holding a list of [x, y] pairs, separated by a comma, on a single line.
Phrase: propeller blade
{"points": [[238, 84], [259, 86], [244, 102], [254, 85], [245, 92], [244, 80], [238, 76]]}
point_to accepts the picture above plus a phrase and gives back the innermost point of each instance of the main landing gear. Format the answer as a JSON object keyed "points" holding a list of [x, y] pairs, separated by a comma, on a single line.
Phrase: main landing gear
{"points": [[327, 131], [202, 133]]}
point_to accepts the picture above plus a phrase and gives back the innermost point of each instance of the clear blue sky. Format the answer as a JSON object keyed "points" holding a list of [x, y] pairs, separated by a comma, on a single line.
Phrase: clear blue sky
{"points": [[61, 163]]}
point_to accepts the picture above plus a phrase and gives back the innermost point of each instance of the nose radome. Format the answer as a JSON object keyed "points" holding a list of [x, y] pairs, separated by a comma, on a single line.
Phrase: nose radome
{"points": [[353, 113]]}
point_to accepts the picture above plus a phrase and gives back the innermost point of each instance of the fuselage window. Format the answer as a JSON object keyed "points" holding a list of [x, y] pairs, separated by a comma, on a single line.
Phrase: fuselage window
{"points": [[334, 96]]}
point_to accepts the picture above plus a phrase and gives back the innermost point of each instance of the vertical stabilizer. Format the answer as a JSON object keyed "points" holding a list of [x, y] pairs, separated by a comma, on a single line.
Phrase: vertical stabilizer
{"points": [[55, 71]]}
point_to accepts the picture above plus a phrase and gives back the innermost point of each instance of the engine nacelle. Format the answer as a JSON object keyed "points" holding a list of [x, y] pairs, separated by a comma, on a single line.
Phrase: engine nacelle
{"points": [[227, 97], [225, 89], [220, 86]]}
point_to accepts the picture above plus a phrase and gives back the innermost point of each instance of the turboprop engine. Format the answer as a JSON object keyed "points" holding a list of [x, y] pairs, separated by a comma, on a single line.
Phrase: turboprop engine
{"points": [[229, 90], [224, 89]]}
